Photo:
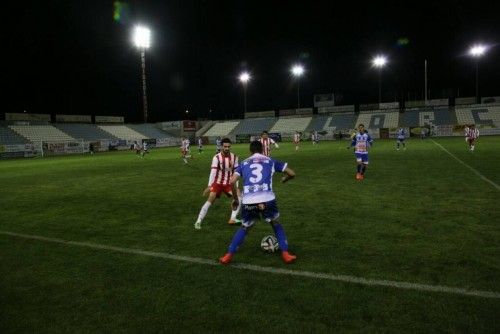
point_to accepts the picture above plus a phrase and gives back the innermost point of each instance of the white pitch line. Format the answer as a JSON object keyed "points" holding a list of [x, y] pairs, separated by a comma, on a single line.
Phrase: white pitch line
{"points": [[288, 272], [472, 169]]}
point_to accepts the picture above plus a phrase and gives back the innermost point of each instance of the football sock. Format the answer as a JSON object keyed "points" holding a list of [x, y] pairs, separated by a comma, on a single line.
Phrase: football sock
{"points": [[238, 239], [281, 236], [359, 168], [472, 148], [363, 169], [204, 210], [234, 213]]}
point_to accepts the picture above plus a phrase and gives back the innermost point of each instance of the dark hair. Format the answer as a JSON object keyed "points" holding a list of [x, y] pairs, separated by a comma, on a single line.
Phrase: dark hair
{"points": [[256, 147], [225, 140], [265, 132], [361, 125]]}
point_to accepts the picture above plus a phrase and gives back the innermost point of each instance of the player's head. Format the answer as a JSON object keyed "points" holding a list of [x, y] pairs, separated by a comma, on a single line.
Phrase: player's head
{"points": [[226, 145], [264, 134], [473, 126], [361, 127], [256, 147]]}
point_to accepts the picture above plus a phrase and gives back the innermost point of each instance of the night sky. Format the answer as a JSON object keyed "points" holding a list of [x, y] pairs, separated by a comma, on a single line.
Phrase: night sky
{"points": [[74, 57]]}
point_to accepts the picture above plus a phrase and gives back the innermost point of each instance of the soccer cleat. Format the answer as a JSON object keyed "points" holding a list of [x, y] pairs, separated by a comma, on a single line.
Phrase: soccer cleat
{"points": [[197, 225], [359, 176], [234, 222], [288, 258], [226, 259]]}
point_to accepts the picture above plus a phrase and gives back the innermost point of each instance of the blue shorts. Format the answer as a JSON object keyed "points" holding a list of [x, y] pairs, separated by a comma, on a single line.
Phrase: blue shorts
{"points": [[401, 140], [362, 157], [252, 212]]}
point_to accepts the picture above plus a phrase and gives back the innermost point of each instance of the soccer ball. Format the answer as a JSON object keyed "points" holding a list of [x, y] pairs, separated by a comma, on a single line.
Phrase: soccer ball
{"points": [[269, 244]]}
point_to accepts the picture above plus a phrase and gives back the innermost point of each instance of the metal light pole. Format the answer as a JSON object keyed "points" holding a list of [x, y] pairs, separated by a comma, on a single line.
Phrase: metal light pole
{"points": [[298, 71], [379, 62], [477, 51], [244, 78], [142, 41]]}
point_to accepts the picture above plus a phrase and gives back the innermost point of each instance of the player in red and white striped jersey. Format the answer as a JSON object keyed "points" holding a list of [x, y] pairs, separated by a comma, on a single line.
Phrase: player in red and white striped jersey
{"points": [[471, 134], [266, 143], [296, 140], [223, 165]]}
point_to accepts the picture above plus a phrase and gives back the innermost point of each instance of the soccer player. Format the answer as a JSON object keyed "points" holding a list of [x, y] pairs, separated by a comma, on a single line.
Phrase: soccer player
{"points": [[200, 145], [137, 148], [218, 145], [471, 134], [401, 137], [296, 140], [144, 149], [223, 165], [185, 149], [361, 142], [314, 137], [266, 143], [259, 199]]}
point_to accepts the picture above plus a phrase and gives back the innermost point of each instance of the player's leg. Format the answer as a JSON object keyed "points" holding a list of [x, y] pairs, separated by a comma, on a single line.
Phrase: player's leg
{"points": [[359, 166], [271, 215], [250, 213], [204, 209], [404, 143], [234, 213], [472, 144], [364, 166]]}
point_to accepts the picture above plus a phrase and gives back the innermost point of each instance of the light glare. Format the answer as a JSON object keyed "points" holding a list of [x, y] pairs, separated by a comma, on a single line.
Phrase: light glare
{"points": [[142, 37], [477, 50], [297, 70], [245, 77], [379, 61]]}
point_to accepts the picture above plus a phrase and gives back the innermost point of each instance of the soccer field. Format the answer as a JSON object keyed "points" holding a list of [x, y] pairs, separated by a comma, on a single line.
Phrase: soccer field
{"points": [[106, 243]]}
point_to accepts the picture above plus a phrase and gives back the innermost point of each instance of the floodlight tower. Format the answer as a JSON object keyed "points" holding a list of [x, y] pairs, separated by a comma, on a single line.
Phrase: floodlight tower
{"points": [[477, 51], [379, 62], [142, 41], [244, 78], [298, 71]]}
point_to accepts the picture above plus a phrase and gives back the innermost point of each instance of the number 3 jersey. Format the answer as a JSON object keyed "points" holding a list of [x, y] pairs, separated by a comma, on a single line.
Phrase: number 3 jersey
{"points": [[257, 174]]}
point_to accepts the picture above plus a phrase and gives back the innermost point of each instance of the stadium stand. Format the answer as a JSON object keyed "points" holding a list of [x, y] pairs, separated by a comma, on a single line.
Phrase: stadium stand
{"points": [[416, 117], [38, 133], [254, 125], [149, 130], [378, 119], [10, 137], [290, 125], [89, 132], [122, 132], [221, 129], [479, 115]]}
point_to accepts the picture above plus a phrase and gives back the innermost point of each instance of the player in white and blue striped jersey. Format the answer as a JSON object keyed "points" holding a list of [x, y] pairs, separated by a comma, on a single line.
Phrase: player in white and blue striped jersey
{"points": [[361, 142], [258, 198], [401, 138]]}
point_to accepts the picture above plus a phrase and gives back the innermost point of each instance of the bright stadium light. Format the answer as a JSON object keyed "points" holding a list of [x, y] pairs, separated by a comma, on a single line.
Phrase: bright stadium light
{"points": [[297, 71], [142, 40], [142, 37], [477, 51], [244, 78], [379, 62]]}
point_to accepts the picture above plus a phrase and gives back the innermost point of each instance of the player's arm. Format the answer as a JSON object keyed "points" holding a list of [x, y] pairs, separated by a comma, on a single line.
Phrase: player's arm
{"points": [[353, 143], [274, 143], [211, 178], [289, 174]]}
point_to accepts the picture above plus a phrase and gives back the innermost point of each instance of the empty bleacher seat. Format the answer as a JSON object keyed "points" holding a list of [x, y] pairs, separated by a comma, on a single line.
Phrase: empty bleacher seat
{"points": [[221, 129], [38, 133], [88, 132], [290, 125], [149, 130], [254, 125], [122, 132]]}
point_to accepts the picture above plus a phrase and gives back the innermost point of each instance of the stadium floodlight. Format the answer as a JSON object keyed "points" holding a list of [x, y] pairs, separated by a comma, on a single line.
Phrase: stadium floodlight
{"points": [[477, 51], [142, 40], [142, 37], [379, 62], [297, 71], [244, 78]]}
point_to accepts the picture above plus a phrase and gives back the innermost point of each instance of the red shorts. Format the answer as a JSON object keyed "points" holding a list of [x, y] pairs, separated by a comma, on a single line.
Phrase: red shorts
{"points": [[219, 189]]}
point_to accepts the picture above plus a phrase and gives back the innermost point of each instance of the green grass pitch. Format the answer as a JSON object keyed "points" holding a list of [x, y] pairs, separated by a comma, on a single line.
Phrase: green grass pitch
{"points": [[419, 216]]}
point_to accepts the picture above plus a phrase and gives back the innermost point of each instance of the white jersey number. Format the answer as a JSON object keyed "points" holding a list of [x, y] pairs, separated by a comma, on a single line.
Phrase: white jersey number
{"points": [[257, 171]]}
